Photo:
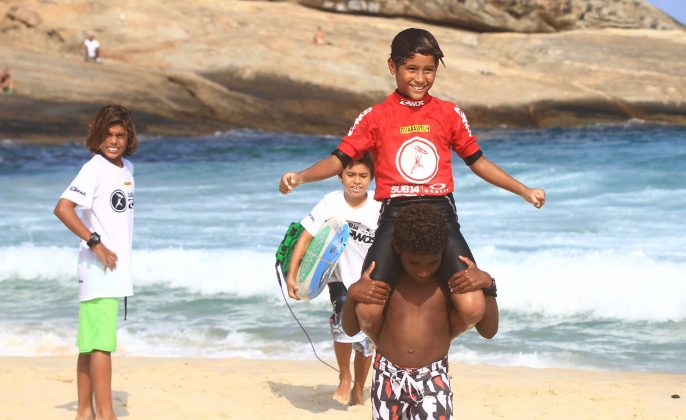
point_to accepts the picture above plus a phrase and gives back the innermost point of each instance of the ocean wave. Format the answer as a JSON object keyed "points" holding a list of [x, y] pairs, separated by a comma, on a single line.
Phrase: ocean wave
{"points": [[558, 282], [599, 284]]}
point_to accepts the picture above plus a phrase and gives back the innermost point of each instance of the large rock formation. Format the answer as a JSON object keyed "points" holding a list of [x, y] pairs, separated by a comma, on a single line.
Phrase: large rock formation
{"points": [[188, 68], [512, 15]]}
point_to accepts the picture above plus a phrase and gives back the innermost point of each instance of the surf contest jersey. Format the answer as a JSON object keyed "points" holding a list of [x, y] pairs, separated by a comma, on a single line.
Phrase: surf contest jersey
{"points": [[104, 193], [362, 222], [410, 142]]}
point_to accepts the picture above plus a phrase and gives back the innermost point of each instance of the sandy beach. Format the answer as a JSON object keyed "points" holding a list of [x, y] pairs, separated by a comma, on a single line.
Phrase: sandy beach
{"points": [[162, 388]]}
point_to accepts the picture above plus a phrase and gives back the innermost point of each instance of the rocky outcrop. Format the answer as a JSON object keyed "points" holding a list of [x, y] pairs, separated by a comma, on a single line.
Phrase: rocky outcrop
{"points": [[192, 69], [512, 15]]}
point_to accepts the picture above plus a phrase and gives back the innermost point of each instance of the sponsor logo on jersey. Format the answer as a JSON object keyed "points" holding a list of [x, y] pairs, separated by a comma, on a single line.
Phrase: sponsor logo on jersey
{"points": [[413, 190], [360, 234], [358, 120], [417, 128], [417, 160], [407, 102], [464, 119], [404, 190], [436, 189], [128, 183], [118, 201], [361, 237], [77, 190]]}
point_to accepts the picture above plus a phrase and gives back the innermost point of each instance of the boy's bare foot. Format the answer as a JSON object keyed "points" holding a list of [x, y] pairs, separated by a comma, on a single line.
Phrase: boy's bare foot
{"points": [[342, 394], [85, 416], [356, 396]]}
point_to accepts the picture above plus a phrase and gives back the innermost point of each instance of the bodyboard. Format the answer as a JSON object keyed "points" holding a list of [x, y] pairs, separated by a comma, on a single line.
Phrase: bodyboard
{"points": [[321, 257]]}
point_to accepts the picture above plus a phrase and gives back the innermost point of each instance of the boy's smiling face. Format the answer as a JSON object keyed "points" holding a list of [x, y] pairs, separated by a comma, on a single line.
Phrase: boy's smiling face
{"points": [[415, 76], [114, 144]]}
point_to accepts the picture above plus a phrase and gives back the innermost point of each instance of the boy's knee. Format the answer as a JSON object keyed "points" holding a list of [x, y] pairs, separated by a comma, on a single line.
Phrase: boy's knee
{"points": [[369, 317], [368, 313], [471, 306]]}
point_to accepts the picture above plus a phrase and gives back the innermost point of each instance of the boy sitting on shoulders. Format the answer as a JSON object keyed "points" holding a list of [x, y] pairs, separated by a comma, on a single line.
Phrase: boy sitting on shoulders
{"points": [[411, 363]]}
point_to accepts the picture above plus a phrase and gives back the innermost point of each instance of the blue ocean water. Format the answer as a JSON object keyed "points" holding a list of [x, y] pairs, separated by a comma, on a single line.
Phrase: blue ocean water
{"points": [[594, 280]]}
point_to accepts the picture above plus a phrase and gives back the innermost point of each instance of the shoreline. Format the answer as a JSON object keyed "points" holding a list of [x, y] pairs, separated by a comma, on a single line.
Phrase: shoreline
{"points": [[182, 388]]}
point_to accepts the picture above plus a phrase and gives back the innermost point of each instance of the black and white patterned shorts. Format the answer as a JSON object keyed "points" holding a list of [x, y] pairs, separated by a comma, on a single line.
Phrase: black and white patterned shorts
{"points": [[411, 393]]}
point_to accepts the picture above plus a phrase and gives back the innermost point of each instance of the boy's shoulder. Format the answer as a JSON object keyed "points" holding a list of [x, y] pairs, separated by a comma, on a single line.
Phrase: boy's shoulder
{"points": [[95, 162], [334, 195], [331, 201], [444, 103], [336, 200], [128, 164]]}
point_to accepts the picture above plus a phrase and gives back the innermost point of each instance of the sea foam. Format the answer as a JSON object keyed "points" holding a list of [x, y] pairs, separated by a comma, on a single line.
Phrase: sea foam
{"points": [[557, 282]]}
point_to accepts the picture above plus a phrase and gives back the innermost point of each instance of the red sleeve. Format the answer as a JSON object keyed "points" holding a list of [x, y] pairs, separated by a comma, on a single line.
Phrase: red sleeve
{"points": [[359, 138], [462, 141]]}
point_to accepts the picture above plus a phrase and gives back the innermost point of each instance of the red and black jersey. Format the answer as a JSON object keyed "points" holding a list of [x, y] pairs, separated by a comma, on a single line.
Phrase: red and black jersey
{"points": [[410, 142]]}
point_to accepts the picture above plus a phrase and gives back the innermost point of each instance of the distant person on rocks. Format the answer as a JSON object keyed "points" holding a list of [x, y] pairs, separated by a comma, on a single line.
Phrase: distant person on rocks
{"points": [[319, 36], [6, 82], [91, 49]]}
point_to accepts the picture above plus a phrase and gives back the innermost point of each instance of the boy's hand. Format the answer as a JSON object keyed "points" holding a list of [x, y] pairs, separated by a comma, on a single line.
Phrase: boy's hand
{"points": [[535, 196], [292, 288], [106, 257], [366, 290], [289, 180], [469, 279]]}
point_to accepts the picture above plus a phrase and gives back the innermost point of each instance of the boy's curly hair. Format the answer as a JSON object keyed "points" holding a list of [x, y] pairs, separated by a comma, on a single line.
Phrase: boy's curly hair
{"points": [[420, 229]]}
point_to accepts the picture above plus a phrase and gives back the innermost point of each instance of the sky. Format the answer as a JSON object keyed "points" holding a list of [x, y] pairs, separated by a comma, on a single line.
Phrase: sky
{"points": [[674, 8]]}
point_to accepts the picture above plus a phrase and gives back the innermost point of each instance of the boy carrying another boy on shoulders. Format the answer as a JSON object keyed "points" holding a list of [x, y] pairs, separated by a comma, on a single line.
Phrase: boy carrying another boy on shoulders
{"points": [[411, 362]]}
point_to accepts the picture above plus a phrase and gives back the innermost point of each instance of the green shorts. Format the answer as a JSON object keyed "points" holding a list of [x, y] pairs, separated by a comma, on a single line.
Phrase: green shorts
{"points": [[98, 325]]}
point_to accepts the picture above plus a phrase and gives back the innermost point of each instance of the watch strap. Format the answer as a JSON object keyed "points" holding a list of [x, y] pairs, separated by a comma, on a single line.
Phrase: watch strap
{"points": [[93, 240], [491, 291]]}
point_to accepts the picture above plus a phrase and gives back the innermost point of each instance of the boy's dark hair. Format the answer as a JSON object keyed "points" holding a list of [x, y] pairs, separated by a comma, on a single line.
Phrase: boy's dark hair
{"points": [[106, 117], [366, 160], [420, 229], [413, 41]]}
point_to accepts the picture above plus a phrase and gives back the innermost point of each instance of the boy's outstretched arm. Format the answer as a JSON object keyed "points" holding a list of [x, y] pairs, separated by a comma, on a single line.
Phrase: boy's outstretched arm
{"points": [[65, 210], [365, 290], [325, 168], [493, 174]]}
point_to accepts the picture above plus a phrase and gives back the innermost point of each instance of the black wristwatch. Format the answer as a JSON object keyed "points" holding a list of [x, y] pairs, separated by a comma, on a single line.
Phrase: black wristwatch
{"points": [[93, 240], [491, 291]]}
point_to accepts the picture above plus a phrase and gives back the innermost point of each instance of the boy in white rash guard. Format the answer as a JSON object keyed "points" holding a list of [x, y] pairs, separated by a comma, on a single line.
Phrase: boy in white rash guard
{"points": [[104, 191], [354, 204]]}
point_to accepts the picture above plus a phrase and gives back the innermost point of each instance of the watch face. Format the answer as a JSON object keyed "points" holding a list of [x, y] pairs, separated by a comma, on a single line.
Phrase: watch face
{"points": [[93, 240]]}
